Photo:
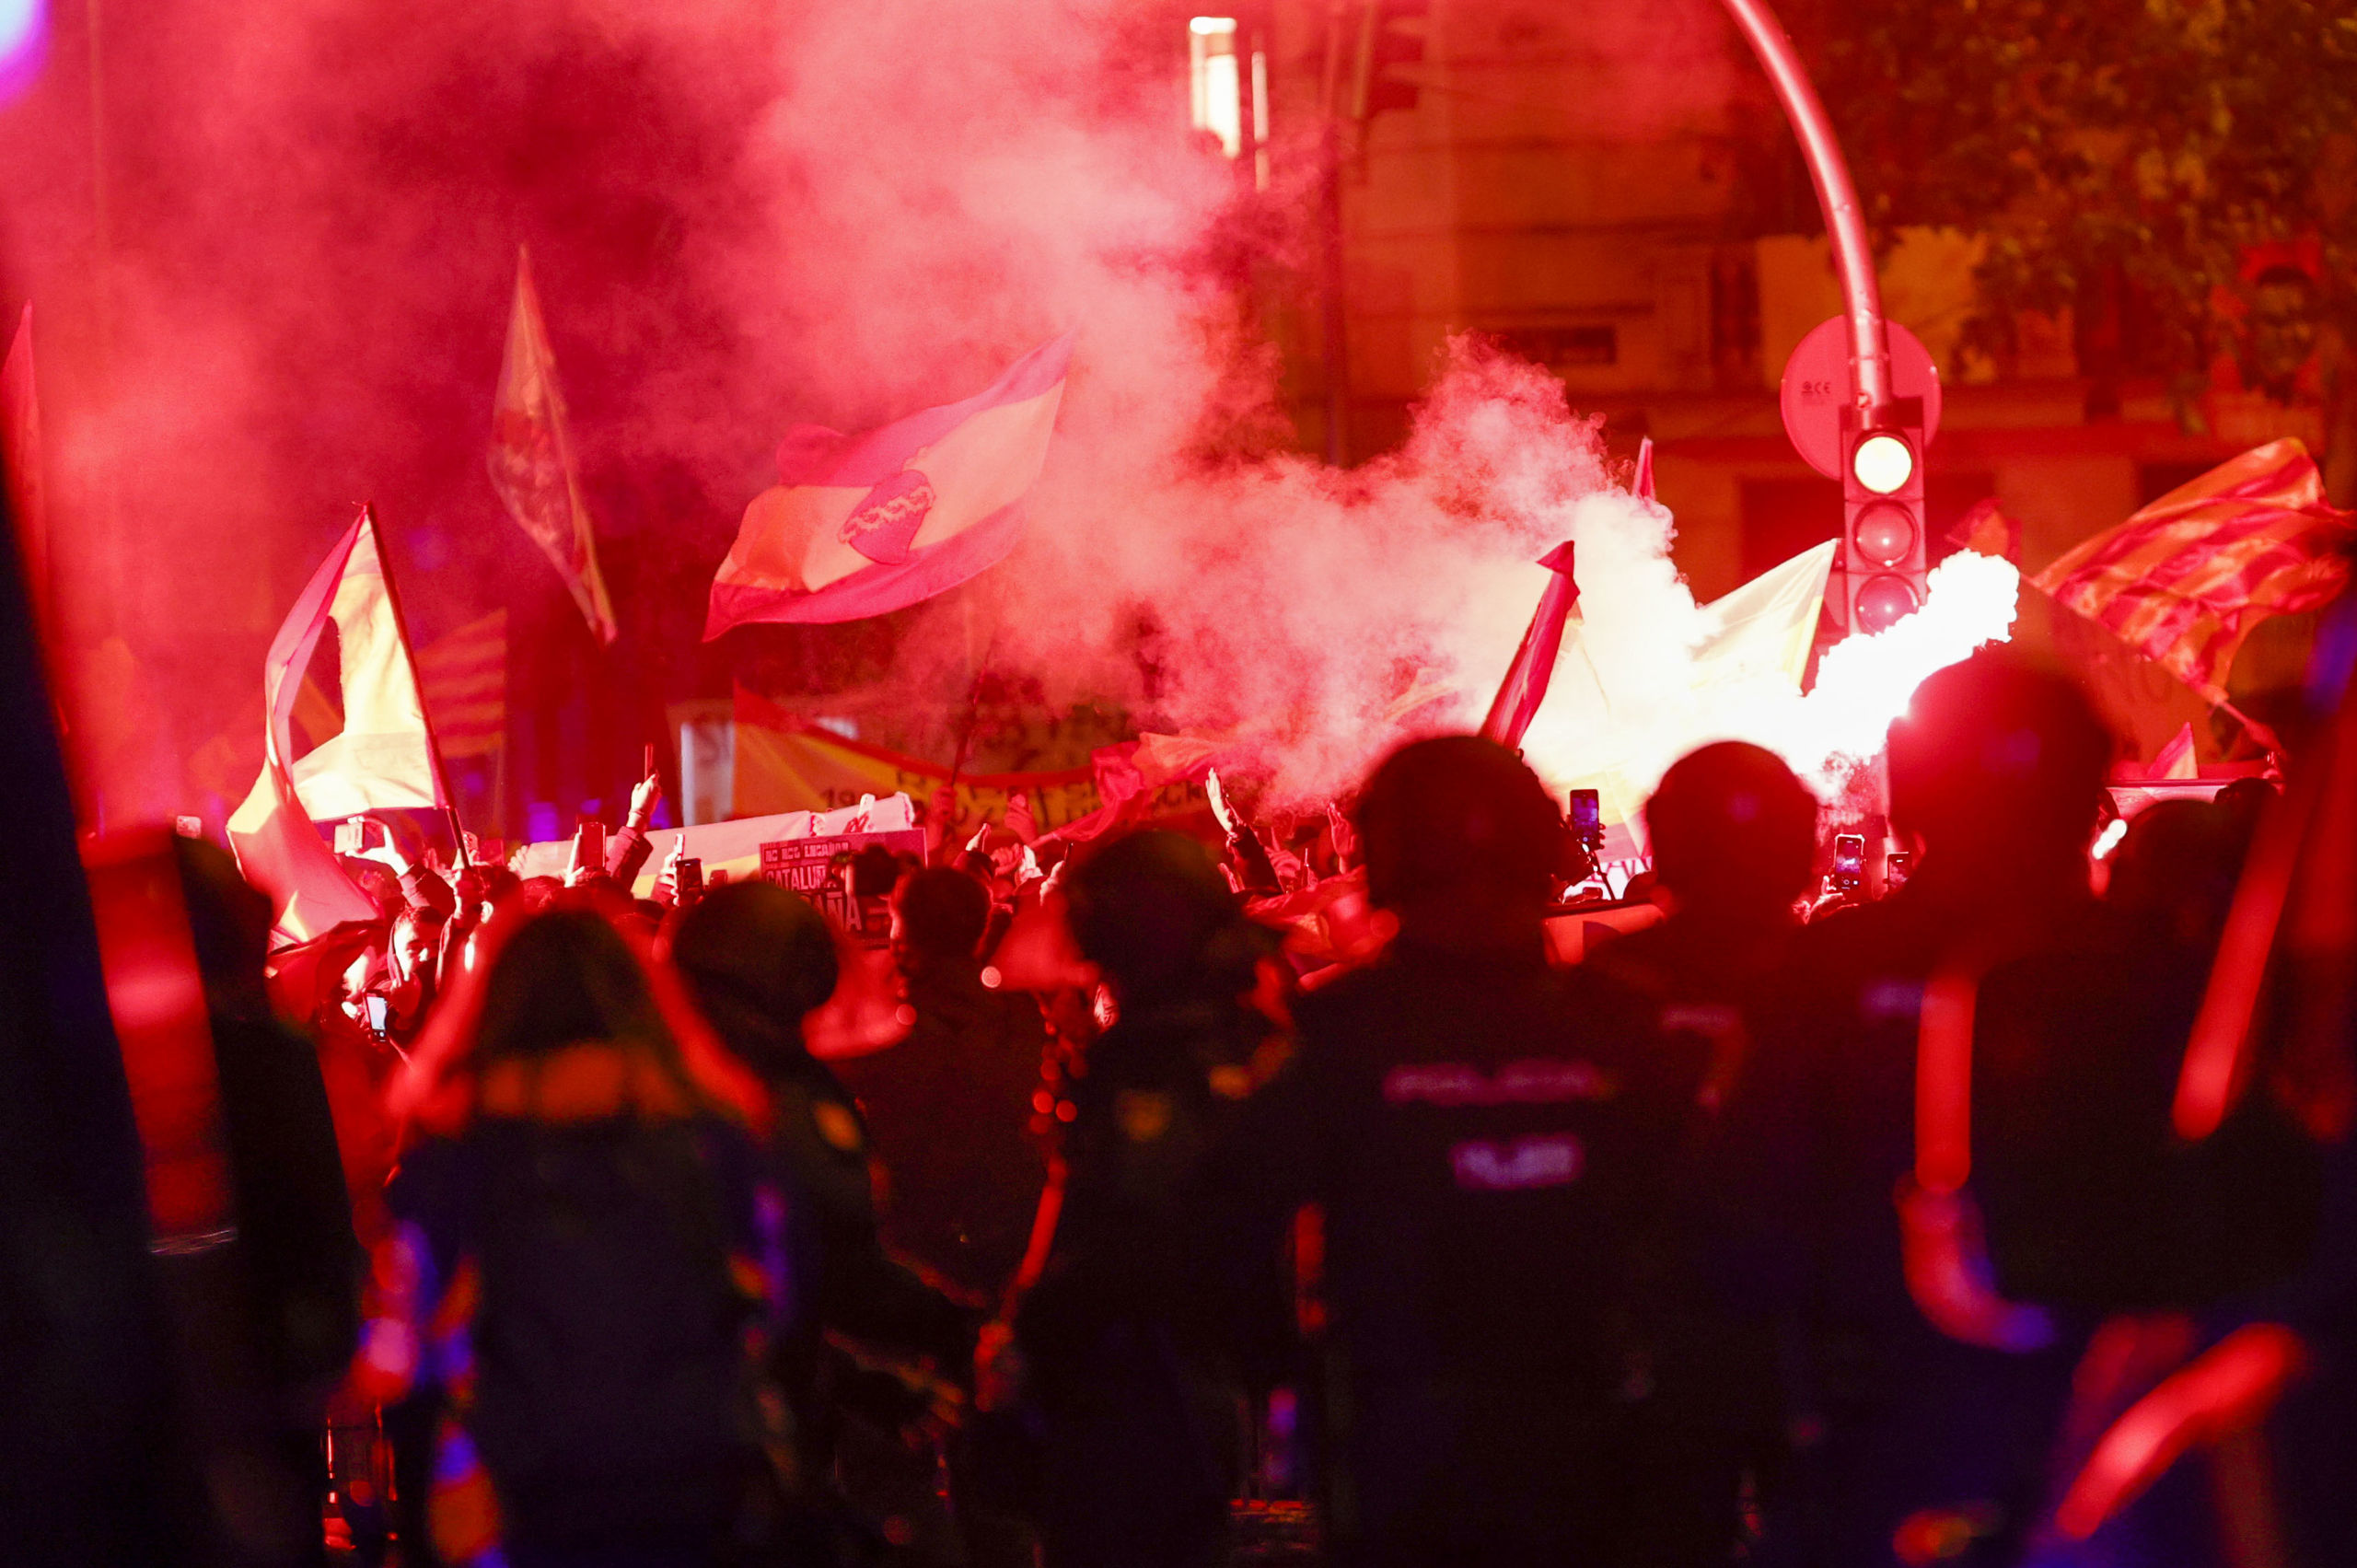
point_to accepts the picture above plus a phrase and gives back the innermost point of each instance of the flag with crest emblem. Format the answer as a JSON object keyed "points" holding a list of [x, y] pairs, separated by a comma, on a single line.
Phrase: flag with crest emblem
{"points": [[861, 525], [531, 457]]}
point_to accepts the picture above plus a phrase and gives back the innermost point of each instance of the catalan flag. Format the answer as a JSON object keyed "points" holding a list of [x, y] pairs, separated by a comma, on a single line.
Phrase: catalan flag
{"points": [[465, 677], [2184, 580]]}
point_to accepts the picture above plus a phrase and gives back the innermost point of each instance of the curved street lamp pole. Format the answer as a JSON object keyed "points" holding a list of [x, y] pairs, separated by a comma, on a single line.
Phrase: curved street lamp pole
{"points": [[1837, 195]]}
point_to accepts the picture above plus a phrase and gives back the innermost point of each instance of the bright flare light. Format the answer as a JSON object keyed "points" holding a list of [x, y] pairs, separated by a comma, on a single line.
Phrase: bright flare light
{"points": [[20, 20], [1882, 463], [24, 33], [1627, 702], [1866, 681]]}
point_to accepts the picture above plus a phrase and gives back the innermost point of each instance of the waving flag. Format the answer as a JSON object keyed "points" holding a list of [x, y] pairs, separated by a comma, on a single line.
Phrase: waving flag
{"points": [[1753, 647], [860, 525], [2184, 580], [1524, 686], [531, 457], [1762, 630], [384, 758], [277, 848], [465, 678]]}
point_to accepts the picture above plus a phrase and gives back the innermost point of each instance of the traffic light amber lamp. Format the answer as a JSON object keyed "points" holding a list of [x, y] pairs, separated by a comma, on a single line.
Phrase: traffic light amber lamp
{"points": [[1885, 533]]}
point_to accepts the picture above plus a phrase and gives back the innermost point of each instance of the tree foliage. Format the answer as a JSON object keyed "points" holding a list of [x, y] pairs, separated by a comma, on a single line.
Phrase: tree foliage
{"points": [[2127, 153]]}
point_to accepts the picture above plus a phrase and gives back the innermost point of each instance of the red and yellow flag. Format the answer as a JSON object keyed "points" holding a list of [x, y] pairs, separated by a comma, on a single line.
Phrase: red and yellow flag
{"points": [[2184, 580], [531, 457], [464, 674], [784, 763]]}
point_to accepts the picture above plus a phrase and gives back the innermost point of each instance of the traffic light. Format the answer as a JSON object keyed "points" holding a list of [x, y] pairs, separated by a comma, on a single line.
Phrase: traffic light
{"points": [[1884, 552], [1391, 35]]}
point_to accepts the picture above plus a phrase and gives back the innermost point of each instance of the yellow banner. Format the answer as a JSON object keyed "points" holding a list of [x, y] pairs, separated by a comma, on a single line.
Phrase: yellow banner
{"points": [[785, 763]]}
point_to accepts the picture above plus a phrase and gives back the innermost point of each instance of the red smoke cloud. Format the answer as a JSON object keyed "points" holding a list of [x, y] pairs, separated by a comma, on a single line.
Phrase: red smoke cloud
{"points": [[743, 217]]}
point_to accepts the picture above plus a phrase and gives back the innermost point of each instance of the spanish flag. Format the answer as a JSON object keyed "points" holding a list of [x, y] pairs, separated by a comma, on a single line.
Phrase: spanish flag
{"points": [[2184, 580], [860, 525]]}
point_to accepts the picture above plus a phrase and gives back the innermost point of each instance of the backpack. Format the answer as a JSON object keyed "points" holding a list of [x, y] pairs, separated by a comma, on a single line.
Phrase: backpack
{"points": [[613, 1394]]}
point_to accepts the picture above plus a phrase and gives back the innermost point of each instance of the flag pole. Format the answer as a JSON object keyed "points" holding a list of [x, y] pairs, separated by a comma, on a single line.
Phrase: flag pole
{"points": [[417, 683], [974, 714]]}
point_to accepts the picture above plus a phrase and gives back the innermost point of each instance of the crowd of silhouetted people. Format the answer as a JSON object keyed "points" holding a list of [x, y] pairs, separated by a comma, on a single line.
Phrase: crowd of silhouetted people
{"points": [[1142, 1238]]}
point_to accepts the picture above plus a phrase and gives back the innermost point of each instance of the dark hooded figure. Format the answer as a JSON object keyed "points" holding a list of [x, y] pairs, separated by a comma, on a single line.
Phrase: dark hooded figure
{"points": [[2091, 1199], [1484, 1137], [1134, 1407], [949, 1106], [1733, 833], [1926, 1410], [584, 1263], [2090, 1196], [755, 959]]}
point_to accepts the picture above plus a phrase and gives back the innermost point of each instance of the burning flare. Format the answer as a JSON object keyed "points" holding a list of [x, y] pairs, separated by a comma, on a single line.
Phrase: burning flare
{"points": [[1866, 681]]}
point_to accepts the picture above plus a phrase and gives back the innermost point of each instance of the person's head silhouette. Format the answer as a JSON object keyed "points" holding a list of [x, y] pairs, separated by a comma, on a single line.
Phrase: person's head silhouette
{"points": [[1733, 833], [939, 915], [2174, 874], [757, 958], [1997, 766], [1152, 912], [1462, 842]]}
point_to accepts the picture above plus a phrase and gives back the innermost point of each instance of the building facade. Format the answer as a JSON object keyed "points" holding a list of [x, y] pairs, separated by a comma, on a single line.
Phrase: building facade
{"points": [[1611, 191]]}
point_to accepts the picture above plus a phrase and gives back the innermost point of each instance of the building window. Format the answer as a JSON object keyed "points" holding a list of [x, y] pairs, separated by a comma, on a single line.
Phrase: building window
{"points": [[1735, 318], [1215, 82]]}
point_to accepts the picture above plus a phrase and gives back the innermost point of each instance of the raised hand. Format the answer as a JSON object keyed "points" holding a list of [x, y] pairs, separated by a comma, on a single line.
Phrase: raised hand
{"points": [[643, 796], [1345, 837]]}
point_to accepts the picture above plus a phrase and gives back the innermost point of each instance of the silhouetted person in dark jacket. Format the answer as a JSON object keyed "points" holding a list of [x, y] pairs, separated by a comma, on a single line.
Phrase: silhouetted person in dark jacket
{"points": [[584, 1263], [949, 1104], [2092, 1199], [1135, 1404], [756, 958], [1733, 833], [273, 1305], [1485, 1138], [948, 1108], [1924, 1408]]}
